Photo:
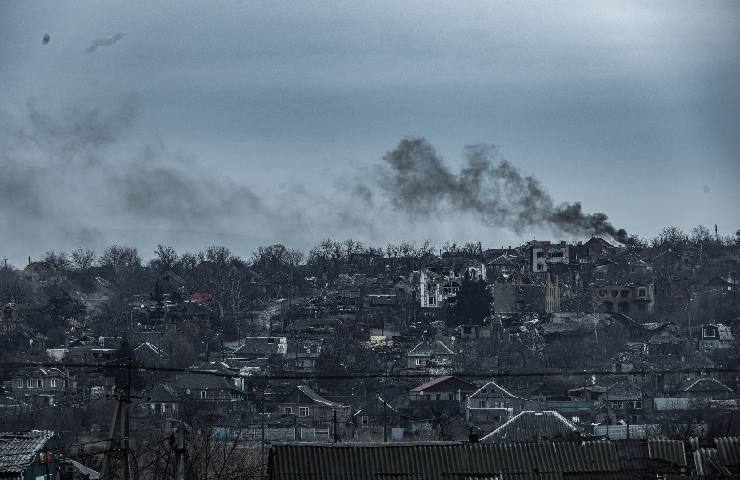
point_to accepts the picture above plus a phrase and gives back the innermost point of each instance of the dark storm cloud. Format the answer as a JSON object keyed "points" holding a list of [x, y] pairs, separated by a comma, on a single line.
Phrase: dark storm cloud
{"points": [[417, 181], [104, 42]]}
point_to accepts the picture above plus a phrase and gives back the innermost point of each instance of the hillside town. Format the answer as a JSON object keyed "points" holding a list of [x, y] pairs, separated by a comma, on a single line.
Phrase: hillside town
{"points": [[117, 366]]}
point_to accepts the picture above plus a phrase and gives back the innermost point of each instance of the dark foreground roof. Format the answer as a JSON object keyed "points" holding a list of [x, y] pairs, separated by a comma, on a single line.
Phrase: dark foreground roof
{"points": [[542, 460], [18, 450]]}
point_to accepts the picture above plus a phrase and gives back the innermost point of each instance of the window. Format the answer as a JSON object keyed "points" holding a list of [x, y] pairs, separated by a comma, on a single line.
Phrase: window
{"points": [[288, 410], [438, 396], [641, 292], [481, 404], [29, 383], [365, 421], [467, 330], [539, 266], [53, 383], [20, 383], [432, 300], [304, 411], [602, 293], [624, 293], [418, 362], [614, 293], [617, 405], [638, 405], [39, 383], [450, 396], [203, 394], [575, 419]]}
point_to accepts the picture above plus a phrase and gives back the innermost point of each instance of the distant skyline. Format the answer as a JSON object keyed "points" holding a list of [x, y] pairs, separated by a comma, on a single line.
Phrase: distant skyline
{"points": [[254, 123]]}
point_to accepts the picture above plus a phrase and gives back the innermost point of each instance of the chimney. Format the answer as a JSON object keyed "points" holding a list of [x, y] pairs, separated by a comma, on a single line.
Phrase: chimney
{"points": [[29, 259]]}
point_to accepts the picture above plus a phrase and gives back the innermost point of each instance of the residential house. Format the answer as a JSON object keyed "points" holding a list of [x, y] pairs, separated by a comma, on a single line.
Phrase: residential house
{"points": [[442, 389], [716, 336], [303, 355], [377, 419], [161, 400], [39, 275], [150, 355], [625, 402], [308, 406], [8, 318], [274, 348], [592, 251], [42, 386], [706, 388], [534, 426], [429, 354], [491, 405], [543, 253], [632, 299], [207, 388]]}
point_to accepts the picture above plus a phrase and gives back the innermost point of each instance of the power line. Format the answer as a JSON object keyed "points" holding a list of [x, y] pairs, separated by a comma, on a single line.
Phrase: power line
{"points": [[382, 374]]}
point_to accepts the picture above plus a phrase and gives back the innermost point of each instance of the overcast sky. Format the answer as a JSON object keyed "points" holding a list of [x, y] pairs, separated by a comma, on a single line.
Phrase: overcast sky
{"points": [[247, 123]]}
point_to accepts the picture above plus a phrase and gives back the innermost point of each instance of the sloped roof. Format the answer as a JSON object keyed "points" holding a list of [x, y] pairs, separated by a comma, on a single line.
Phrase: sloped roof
{"points": [[318, 398], [39, 372], [530, 425], [155, 350], [201, 381], [377, 398], [705, 384], [430, 349], [163, 393], [263, 346], [441, 380], [18, 450], [493, 386], [605, 460]]}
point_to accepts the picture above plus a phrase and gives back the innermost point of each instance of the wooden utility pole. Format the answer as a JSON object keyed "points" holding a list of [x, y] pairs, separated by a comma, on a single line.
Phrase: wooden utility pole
{"points": [[180, 451], [336, 438], [118, 445]]}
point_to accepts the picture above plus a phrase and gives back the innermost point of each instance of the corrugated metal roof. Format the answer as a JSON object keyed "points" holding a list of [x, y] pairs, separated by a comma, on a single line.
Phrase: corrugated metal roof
{"points": [[17, 450], [441, 460], [728, 450], [671, 451]]}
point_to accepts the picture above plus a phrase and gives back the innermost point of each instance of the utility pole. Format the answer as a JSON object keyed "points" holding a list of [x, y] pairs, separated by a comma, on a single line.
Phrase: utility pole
{"points": [[119, 434], [180, 451], [262, 444], [336, 438], [125, 425]]}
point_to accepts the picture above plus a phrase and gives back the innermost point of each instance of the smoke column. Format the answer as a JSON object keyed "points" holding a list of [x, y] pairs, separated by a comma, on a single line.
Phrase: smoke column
{"points": [[418, 182], [104, 42]]}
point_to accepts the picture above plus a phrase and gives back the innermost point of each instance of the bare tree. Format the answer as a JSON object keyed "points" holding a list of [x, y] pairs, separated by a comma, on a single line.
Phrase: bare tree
{"points": [[58, 261], [83, 259]]}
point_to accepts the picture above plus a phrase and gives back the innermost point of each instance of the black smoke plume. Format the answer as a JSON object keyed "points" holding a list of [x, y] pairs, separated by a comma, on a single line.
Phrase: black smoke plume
{"points": [[418, 182], [104, 42]]}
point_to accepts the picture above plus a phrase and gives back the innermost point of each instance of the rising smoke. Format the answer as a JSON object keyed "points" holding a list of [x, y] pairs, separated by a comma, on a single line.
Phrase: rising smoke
{"points": [[74, 177], [104, 42], [418, 182]]}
